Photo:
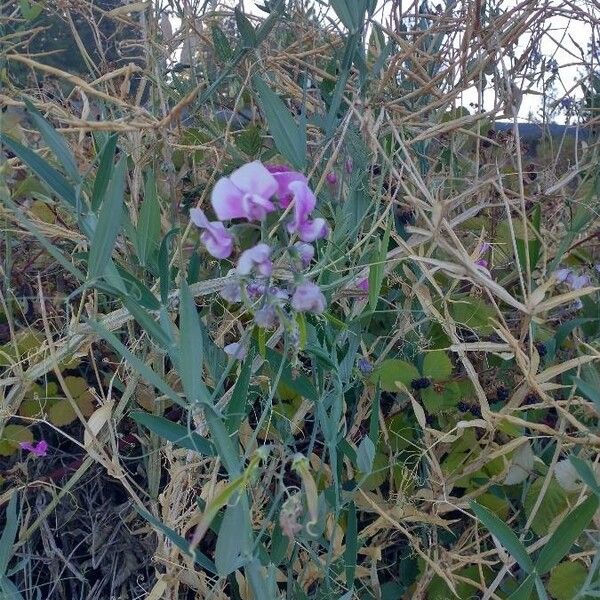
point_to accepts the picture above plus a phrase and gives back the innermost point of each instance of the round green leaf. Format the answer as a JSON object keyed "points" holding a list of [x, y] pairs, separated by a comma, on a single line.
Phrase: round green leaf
{"points": [[392, 370], [566, 579], [437, 365], [553, 504], [11, 436]]}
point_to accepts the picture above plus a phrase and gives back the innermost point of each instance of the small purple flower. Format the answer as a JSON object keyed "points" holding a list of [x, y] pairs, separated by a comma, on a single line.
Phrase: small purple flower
{"points": [[235, 350], [255, 289], [306, 252], [562, 275], [284, 176], [331, 178], [232, 292], [256, 257], [279, 295], [37, 448], [215, 238], [308, 298], [481, 262], [364, 365], [363, 284], [266, 317], [245, 193], [304, 203], [576, 282]]}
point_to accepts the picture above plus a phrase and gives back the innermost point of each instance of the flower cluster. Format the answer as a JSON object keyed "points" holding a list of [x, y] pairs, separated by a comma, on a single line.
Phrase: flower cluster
{"points": [[250, 194]]}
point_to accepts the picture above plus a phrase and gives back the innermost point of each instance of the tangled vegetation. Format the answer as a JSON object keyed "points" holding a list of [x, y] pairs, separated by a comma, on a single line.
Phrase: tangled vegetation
{"points": [[283, 314]]}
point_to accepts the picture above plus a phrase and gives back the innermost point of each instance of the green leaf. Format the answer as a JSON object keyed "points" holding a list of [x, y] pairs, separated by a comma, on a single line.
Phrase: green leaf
{"points": [[30, 10], [237, 406], [351, 551], [504, 534], [189, 359], [289, 137], [473, 313], [566, 580], [109, 223], [523, 592], [174, 432], [245, 29], [377, 270], [589, 391], [9, 533], [249, 140], [350, 12], [56, 142], [365, 455], [553, 504], [234, 544], [105, 171], [148, 227], [142, 368], [222, 441], [437, 365], [221, 44], [392, 370], [299, 383], [586, 473], [202, 560], [566, 534], [48, 174]]}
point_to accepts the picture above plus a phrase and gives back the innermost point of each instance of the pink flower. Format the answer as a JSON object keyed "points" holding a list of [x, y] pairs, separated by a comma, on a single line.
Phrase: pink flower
{"points": [[331, 178], [284, 176], [305, 252], [235, 350], [256, 257], [304, 203], [266, 317], [216, 239], [38, 448], [363, 284], [245, 193], [308, 298]]}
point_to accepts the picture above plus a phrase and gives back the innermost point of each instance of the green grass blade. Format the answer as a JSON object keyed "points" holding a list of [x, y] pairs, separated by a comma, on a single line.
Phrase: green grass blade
{"points": [[56, 142], [523, 592], [148, 227], [505, 536], [288, 136], [565, 535], [174, 432], [236, 408], [109, 223], [9, 533], [351, 551], [586, 473], [105, 172]]}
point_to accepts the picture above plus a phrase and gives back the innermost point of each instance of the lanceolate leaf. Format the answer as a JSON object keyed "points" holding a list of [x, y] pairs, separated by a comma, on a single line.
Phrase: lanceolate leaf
{"points": [[109, 223], [148, 227], [105, 171]]}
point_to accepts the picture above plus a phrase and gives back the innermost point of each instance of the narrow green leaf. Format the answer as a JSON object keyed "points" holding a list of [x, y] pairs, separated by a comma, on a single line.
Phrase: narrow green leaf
{"points": [[164, 270], [9, 533], [288, 136], [505, 535], [222, 441], [234, 544], [153, 328], [586, 473], [148, 227], [221, 44], [523, 592], [174, 432], [105, 171], [589, 391], [351, 551], [565, 535], [48, 174], [377, 270], [109, 223], [189, 360], [202, 560], [7, 587], [300, 383], [237, 406], [56, 142], [142, 368], [245, 29], [365, 455]]}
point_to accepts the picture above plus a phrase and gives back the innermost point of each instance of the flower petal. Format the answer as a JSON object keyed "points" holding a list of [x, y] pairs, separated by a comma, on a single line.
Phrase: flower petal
{"points": [[254, 178], [235, 350], [256, 256], [217, 240], [198, 218], [226, 200], [309, 231], [308, 298]]}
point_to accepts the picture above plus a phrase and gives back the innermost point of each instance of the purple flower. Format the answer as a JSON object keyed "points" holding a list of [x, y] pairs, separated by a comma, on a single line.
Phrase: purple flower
{"points": [[574, 281], [331, 178], [255, 289], [235, 350], [284, 176], [562, 275], [216, 239], [232, 292], [279, 295], [481, 262], [363, 284], [245, 193], [38, 448], [304, 203], [266, 317], [256, 257], [308, 298], [364, 365], [305, 252]]}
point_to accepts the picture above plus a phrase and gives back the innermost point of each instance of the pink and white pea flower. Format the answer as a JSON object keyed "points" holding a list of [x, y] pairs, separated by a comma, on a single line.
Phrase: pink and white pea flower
{"points": [[215, 237], [284, 176], [308, 298], [304, 203], [246, 193], [257, 257]]}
